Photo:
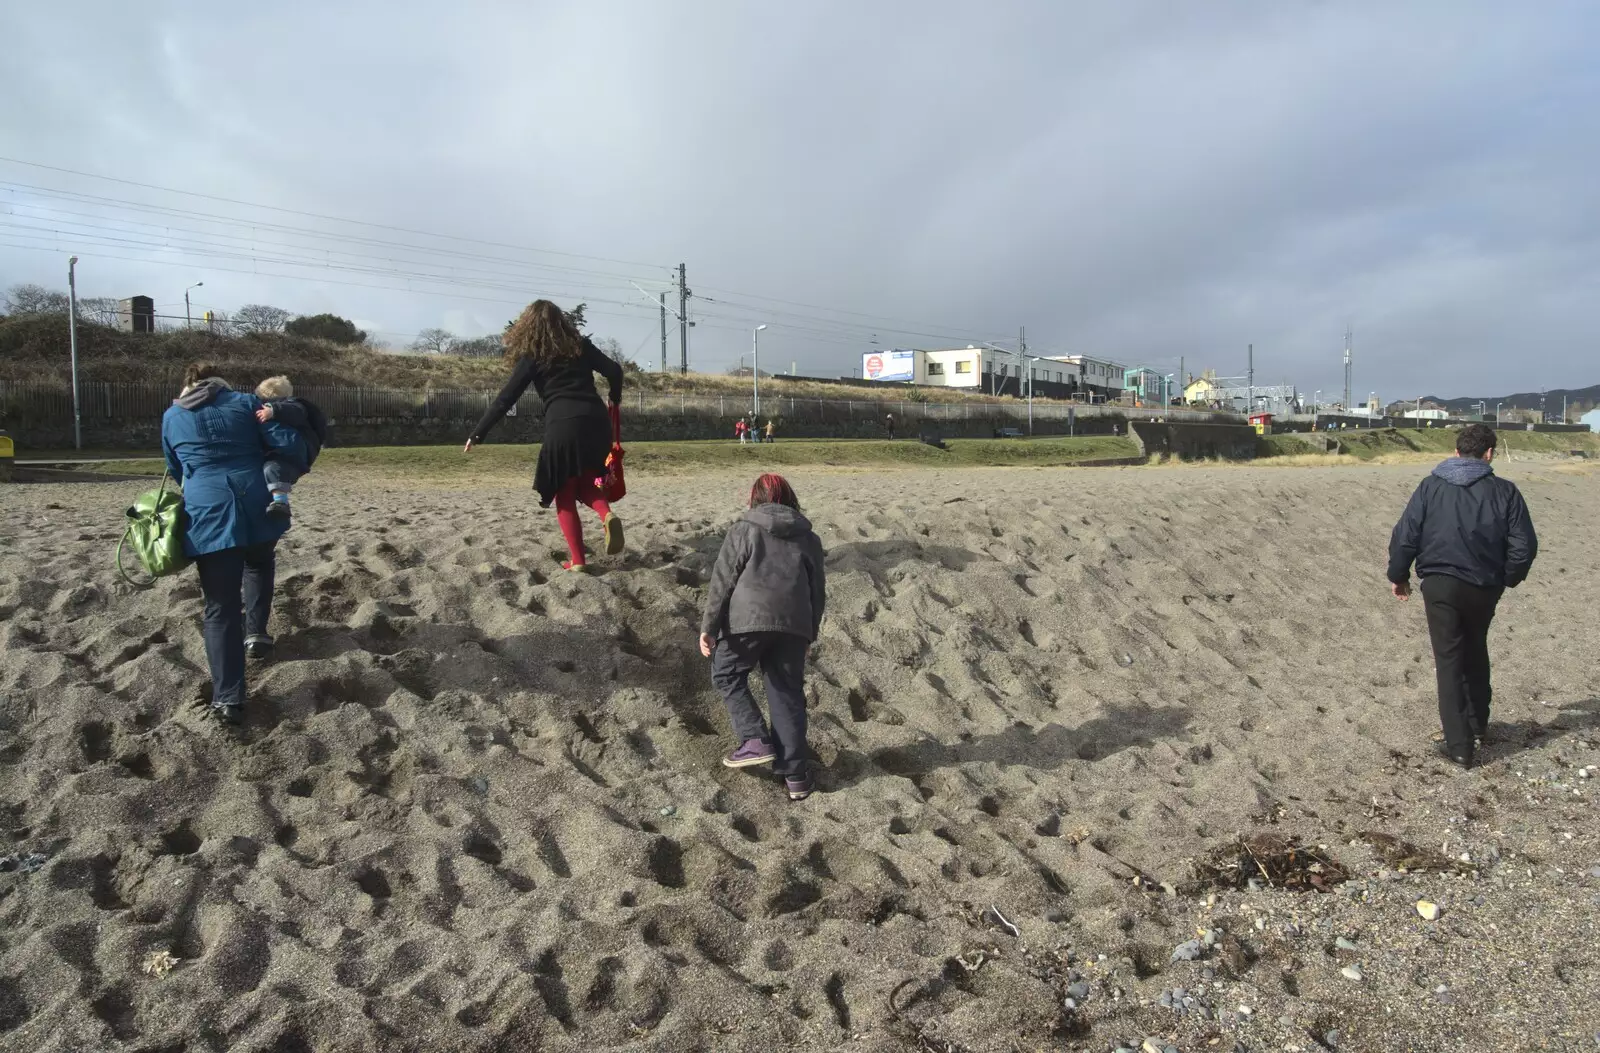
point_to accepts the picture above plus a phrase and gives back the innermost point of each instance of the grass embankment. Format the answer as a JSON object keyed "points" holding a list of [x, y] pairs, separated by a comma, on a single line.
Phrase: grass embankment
{"points": [[1402, 444], [435, 463], [35, 349]]}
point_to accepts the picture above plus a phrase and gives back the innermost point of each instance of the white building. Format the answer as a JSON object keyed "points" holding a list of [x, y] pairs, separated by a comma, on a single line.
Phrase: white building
{"points": [[1592, 419], [1099, 376], [1426, 414], [957, 368], [978, 369]]}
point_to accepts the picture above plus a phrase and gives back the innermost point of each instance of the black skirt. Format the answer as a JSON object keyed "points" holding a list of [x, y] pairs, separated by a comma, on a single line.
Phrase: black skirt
{"points": [[577, 439]]}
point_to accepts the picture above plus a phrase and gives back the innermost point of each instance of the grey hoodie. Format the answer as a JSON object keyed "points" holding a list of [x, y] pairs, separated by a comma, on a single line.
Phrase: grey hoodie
{"points": [[769, 577], [202, 393], [1463, 471]]}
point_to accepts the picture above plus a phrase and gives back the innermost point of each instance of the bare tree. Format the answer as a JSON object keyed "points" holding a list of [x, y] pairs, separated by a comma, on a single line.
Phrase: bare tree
{"points": [[100, 310], [260, 318], [479, 347], [434, 341], [35, 299]]}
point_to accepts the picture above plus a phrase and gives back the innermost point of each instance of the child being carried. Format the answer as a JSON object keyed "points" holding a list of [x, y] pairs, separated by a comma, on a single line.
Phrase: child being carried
{"points": [[307, 422]]}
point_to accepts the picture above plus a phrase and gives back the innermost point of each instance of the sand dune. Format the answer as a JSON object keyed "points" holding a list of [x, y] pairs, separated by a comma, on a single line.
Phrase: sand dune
{"points": [[477, 804]]}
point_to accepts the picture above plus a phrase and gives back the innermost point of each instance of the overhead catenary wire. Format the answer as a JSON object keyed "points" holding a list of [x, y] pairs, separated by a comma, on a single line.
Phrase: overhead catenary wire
{"points": [[317, 215], [93, 254], [454, 269], [303, 232]]}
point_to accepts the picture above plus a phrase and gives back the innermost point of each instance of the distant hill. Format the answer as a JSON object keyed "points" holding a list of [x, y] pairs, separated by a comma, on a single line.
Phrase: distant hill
{"points": [[1581, 399]]}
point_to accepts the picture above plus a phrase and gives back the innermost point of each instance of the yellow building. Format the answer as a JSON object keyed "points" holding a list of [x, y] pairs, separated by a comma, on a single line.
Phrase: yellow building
{"points": [[1203, 388]]}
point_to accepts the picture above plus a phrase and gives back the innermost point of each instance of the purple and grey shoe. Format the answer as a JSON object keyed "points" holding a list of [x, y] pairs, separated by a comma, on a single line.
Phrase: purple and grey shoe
{"points": [[749, 754], [800, 786]]}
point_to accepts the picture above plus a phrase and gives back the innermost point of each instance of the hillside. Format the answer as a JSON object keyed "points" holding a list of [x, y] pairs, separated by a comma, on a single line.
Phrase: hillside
{"points": [[37, 348], [1577, 398]]}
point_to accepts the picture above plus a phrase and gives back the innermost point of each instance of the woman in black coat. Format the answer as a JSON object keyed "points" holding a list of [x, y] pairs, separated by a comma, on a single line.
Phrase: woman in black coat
{"points": [[545, 349]]}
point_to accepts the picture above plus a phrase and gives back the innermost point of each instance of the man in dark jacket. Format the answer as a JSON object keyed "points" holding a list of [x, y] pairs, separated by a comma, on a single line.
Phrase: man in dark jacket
{"points": [[1469, 534]]}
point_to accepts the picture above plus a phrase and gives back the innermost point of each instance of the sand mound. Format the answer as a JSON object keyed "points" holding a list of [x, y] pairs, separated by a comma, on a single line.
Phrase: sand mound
{"points": [[477, 804]]}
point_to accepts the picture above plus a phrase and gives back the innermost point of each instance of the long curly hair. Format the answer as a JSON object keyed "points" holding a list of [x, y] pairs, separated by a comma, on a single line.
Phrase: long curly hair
{"points": [[543, 332]]}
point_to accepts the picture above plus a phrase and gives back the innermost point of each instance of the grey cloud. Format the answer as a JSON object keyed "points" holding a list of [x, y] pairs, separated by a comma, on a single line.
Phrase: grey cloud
{"points": [[1144, 180]]}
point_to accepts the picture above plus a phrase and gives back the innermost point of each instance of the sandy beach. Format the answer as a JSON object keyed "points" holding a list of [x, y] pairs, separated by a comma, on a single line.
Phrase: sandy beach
{"points": [[477, 803]]}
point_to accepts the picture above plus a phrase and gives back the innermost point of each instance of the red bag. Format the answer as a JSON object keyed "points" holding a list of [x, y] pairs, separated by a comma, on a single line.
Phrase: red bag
{"points": [[612, 483]]}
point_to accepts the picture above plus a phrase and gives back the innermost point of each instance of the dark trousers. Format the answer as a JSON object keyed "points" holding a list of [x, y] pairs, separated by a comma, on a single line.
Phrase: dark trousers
{"points": [[1458, 623], [237, 584], [782, 660], [281, 475]]}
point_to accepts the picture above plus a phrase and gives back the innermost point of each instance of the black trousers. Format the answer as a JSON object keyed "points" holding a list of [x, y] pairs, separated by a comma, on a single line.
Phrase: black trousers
{"points": [[1458, 624], [782, 660], [237, 584]]}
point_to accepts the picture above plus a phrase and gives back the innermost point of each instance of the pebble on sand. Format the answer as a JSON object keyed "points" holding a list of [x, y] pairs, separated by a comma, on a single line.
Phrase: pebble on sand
{"points": [[1351, 972], [1188, 952], [1427, 910]]}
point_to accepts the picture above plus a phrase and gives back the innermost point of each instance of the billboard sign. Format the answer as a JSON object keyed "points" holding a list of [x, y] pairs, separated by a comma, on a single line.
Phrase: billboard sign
{"points": [[899, 364]]}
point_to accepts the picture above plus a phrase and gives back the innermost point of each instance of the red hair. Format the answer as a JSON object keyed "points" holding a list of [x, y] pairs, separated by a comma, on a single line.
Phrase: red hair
{"points": [[773, 489]]}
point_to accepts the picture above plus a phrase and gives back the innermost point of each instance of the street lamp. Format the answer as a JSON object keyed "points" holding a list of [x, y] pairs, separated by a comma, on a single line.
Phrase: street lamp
{"points": [[755, 370], [1497, 406], [1316, 403], [187, 321], [1166, 394]]}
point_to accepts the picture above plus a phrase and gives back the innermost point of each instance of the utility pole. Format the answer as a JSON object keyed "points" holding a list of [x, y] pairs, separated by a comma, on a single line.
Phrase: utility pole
{"points": [[662, 299], [1250, 359], [683, 319], [1183, 381], [1347, 336], [755, 373], [1022, 362], [72, 338]]}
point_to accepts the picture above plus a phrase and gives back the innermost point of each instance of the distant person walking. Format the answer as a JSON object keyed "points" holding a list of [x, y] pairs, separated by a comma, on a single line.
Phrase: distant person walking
{"points": [[771, 430], [216, 447], [1470, 537], [764, 609], [888, 424], [546, 350], [741, 431]]}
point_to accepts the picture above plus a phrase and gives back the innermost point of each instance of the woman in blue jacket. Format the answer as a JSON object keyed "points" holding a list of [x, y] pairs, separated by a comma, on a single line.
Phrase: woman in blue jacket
{"points": [[215, 445]]}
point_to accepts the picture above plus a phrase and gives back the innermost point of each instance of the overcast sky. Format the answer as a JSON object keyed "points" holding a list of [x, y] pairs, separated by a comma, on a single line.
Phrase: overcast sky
{"points": [[1137, 180]]}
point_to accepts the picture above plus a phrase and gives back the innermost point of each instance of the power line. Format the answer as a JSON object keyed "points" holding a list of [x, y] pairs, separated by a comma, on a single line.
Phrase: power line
{"points": [[164, 240], [883, 322], [318, 215], [254, 226], [519, 302]]}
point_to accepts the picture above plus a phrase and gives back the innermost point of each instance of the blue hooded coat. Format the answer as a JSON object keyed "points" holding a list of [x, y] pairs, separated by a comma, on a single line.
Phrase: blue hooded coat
{"points": [[214, 444]]}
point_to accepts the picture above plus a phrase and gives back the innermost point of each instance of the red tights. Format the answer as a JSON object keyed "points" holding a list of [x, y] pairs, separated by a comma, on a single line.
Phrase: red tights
{"points": [[567, 499]]}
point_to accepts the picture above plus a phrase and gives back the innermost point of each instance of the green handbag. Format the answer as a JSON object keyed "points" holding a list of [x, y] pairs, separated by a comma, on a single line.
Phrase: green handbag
{"points": [[155, 529]]}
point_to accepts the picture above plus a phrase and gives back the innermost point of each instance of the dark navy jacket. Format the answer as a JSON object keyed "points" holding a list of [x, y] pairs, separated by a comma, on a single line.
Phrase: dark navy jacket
{"points": [[306, 420], [216, 447], [1468, 523]]}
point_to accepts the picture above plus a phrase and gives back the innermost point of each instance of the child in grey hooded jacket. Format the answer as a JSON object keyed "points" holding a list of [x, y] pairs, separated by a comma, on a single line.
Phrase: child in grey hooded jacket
{"points": [[764, 609]]}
